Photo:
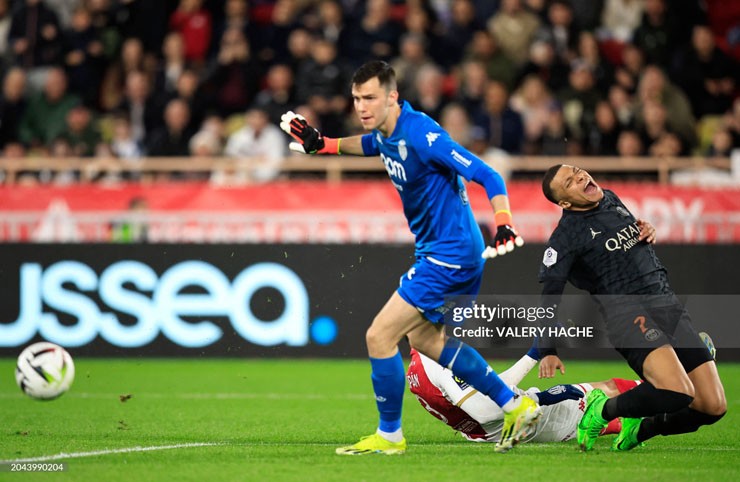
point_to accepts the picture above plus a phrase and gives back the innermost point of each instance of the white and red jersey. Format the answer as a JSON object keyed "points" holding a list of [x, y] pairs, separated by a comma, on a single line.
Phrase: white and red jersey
{"points": [[478, 418]]}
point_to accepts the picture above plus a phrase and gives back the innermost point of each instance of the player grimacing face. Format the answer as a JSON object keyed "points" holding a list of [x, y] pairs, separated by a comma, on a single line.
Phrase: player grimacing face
{"points": [[575, 189], [373, 104]]}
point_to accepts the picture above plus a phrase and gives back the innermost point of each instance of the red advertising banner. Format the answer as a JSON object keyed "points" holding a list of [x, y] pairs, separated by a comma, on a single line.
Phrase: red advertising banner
{"points": [[319, 212]]}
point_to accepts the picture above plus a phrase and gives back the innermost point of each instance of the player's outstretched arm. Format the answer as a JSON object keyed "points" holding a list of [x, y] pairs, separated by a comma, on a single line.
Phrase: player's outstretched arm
{"points": [[506, 237], [308, 140]]}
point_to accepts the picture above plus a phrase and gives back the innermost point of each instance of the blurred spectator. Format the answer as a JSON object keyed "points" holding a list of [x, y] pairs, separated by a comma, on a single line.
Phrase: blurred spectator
{"points": [[258, 148], [35, 39], [556, 139], [620, 18], [707, 75], [629, 144], [205, 143], [428, 95], [331, 23], [588, 52], [64, 9], [194, 23], [543, 62], [271, 36], [656, 35], [83, 57], [123, 144], [108, 19], [233, 77], [412, 57], [623, 106], [579, 99], [483, 48], [115, 80], [12, 105], [514, 29], [235, 15], [80, 133], [171, 140], [188, 89], [533, 102], [298, 49], [587, 13], [629, 72], [559, 30], [459, 33], [44, 119], [656, 135], [731, 122], [171, 66], [134, 226], [654, 86], [375, 36], [603, 134], [6, 18], [455, 120], [721, 144], [277, 97], [143, 111], [472, 85], [502, 126], [322, 83]]}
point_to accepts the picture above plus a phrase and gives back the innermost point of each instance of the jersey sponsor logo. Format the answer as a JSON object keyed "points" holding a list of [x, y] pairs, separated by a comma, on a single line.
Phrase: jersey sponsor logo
{"points": [[413, 378], [431, 137], [625, 239], [395, 169], [402, 151], [594, 233], [550, 257], [460, 158]]}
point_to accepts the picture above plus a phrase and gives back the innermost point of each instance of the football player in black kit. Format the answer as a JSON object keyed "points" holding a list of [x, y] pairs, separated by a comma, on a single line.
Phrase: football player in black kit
{"points": [[599, 247]]}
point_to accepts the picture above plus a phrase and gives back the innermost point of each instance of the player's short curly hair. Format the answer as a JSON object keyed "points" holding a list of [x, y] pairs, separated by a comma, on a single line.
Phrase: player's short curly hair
{"points": [[376, 68], [547, 189]]}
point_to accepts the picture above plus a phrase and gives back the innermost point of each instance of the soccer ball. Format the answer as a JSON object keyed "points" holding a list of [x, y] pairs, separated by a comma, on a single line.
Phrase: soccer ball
{"points": [[44, 371]]}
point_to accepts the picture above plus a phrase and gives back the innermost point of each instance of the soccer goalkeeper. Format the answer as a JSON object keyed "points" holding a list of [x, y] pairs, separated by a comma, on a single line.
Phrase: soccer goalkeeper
{"points": [[426, 166]]}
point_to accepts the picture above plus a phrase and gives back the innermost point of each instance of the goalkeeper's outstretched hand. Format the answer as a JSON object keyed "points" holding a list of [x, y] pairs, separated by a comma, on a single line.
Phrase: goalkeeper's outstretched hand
{"points": [[309, 139], [504, 242]]}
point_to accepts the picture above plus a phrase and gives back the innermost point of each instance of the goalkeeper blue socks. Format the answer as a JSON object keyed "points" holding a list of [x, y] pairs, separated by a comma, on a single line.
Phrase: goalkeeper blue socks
{"points": [[389, 382], [467, 364]]}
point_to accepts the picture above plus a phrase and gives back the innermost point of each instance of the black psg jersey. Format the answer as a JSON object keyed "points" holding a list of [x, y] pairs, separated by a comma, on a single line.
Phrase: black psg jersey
{"points": [[598, 251]]}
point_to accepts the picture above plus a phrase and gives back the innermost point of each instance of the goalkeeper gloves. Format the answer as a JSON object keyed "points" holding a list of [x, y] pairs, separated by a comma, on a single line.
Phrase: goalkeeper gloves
{"points": [[309, 139], [557, 394], [506, 236]]}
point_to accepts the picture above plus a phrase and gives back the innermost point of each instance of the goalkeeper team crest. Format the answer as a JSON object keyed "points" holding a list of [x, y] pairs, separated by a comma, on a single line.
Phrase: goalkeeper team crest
{"points": [[402, 150]]}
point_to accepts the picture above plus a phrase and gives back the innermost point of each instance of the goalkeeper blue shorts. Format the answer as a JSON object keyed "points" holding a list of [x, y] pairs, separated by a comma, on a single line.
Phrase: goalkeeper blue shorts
{"points": [[429, 284]]}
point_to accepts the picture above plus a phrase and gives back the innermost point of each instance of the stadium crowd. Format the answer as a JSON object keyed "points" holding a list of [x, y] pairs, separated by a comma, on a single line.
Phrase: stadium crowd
{"points": [[134, 78]]}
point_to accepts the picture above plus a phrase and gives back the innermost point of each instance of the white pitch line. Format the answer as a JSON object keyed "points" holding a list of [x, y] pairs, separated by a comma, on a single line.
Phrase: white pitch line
{"points": [[94, 453]]}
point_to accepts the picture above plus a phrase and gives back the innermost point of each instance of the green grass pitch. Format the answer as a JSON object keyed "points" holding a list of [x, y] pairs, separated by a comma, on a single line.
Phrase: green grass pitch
{"points": [[281, 420]]}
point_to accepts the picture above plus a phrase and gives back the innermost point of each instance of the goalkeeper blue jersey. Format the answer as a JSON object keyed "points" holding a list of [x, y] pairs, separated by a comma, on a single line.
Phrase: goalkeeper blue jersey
{"points": [[425, 165]]}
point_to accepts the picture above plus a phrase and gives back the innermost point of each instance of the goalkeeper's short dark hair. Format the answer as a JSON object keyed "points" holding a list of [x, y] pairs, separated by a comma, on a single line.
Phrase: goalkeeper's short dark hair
{"points": [[376, 68], [547, 183]]}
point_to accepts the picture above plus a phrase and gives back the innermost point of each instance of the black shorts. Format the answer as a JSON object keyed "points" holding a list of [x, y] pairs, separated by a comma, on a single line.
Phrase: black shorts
{"points": [[637, 325]]}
